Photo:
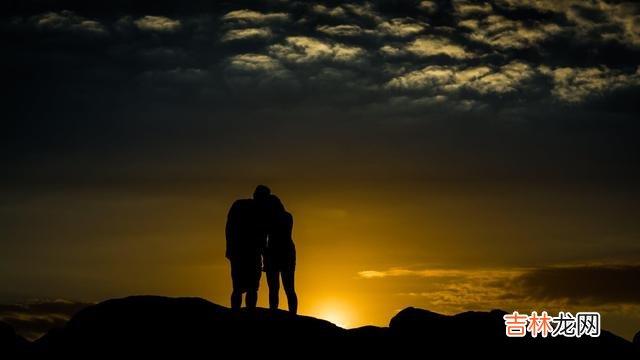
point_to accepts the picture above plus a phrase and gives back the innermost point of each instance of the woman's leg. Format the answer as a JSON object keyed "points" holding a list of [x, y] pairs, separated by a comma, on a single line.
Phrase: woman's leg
{"points": [[273, 280], [289, 288]]}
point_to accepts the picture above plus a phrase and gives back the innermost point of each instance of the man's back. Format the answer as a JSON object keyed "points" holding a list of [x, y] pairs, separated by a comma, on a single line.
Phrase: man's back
{"points": [[244, 233]]}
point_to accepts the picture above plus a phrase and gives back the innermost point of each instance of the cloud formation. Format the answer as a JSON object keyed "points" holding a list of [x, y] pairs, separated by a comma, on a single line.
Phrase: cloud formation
{"points": [[254, 62], [304, 49], [482, 79], [411, 46], [595, 285], [157, 23], [401, 27], [435, 45], [67, 21], [34, 318], [329, 11], [341, 30], [502, 33], [248, 33], [246, 16], [600, 19], [578, 84], [495, 59]]}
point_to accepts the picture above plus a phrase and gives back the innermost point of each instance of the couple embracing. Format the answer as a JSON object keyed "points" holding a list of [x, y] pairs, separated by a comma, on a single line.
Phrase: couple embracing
{"points": [[258, 233]]}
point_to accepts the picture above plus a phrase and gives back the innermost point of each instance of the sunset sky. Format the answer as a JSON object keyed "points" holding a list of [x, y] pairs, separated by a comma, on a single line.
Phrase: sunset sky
{"points": [[448, 155]]}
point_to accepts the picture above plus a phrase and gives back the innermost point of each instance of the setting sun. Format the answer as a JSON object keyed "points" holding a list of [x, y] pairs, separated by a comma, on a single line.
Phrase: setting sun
{"points": [[335, 312]]}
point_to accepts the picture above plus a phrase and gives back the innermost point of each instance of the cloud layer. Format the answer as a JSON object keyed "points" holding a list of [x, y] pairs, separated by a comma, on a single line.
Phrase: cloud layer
{"points": [[564, 42], [594, 285], [33, 319], [608, 289]]}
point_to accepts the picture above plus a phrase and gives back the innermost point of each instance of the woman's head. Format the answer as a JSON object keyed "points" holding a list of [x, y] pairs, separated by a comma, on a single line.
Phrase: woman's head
{"points": [[275, 204]]}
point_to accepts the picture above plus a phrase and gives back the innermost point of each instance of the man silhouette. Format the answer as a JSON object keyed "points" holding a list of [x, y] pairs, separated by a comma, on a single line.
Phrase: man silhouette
{"points": [[246, 234]]}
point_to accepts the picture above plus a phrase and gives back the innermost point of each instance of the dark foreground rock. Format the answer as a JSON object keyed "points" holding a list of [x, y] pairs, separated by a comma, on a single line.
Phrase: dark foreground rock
{"points": [[153, 326], [11, 344]]}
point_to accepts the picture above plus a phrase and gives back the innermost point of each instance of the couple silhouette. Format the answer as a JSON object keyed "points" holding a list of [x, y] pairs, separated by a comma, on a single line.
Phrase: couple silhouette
{"points": [[258, 233]]}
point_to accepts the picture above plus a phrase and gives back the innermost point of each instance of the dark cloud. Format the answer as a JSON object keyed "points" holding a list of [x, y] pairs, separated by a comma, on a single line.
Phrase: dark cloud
{"points": [[33, 319], [95, 86], [599, 286], [608, 289], [66, 21], [595, 285]]}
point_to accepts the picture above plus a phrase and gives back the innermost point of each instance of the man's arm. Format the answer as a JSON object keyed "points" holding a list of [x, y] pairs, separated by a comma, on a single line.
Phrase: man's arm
{"points": [[229, 232]]}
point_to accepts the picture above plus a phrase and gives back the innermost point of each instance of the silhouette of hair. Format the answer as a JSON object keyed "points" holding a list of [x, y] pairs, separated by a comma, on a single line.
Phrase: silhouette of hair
{"points": [[261, 192], [275, 203]]}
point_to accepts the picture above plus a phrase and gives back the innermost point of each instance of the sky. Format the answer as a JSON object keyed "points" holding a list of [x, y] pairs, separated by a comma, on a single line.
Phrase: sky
{"points": [[448, 155]]}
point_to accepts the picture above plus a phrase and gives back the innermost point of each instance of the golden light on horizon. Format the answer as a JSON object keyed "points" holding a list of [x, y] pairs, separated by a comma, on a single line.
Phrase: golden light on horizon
{"points": [[335, 311]]}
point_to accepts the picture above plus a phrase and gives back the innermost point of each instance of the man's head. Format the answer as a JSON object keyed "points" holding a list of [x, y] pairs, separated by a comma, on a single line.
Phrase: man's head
{"points": [[261, 193]]}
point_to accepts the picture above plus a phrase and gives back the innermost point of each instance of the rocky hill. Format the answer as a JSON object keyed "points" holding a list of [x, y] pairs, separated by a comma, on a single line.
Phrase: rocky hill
{"points": [[154, 326]]}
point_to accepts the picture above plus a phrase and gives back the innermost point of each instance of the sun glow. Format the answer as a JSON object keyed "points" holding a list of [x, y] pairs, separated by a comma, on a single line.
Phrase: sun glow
{"points": [[335, 312]]}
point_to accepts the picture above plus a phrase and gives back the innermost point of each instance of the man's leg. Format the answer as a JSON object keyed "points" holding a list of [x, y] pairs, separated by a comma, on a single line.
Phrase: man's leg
{"points": [[236, 294], [273, 279], [251, 299], [236, 299], [252, 294], [288, 277]]}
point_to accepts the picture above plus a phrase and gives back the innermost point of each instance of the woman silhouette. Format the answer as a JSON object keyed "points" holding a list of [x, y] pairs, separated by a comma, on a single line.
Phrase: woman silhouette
{"points": [[280, 255]]}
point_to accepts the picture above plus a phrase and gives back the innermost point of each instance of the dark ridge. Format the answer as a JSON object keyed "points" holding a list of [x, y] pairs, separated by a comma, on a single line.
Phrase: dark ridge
{"points": [[154, 326]]}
